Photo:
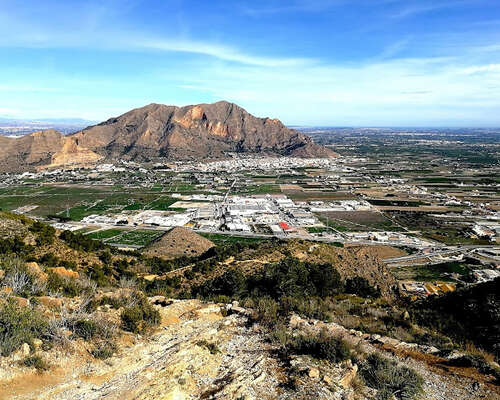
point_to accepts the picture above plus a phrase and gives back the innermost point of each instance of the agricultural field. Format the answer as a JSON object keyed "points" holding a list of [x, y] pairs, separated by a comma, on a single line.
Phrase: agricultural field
{"points": [[449, 271], [126, 236], [360, 221]]}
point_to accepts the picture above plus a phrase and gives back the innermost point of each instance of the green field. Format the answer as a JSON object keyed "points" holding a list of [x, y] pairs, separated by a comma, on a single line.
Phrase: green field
{"points": [[136, 238], [431, 272], [80, 202], [126, 236]]}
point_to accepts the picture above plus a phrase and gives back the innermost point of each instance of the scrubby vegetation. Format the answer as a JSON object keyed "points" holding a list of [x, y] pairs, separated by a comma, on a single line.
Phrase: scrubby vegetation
{"points": [[139, 317], [390, 379], [211, 347], [19, 325], [469, 314], [323, 347], [37, 362]]}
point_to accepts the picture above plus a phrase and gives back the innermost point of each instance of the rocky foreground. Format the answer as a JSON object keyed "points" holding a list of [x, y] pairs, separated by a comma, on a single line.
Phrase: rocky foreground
{"points": [[211, 351]]}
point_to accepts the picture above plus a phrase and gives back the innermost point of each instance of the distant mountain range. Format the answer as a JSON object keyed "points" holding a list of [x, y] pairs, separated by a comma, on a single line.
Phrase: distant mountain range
{"points": [[157, 133], [18, 127]]}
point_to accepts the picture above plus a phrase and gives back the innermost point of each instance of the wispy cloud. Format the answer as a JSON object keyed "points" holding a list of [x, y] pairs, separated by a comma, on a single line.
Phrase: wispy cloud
{"points": [[481, 69], [52, 37], [221, 52], [412, 9], [292, 6]]}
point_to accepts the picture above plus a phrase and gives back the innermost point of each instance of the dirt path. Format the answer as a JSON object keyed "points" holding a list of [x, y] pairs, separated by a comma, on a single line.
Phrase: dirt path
{"points": [[173, 364]]}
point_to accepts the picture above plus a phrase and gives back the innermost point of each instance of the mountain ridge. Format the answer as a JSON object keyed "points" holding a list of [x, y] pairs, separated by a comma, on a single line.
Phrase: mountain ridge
{"points": [[156, 132]]}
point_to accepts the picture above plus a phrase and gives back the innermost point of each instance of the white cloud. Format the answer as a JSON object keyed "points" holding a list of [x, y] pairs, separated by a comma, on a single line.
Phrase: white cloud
{"points": [[215, 50], [481, 69]]}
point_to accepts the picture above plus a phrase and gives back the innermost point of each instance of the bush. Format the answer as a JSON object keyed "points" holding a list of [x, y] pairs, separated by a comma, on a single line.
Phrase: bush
{"points": [[104, 350], [50, 260], [211, 347], [45, 233], [268, 311], [361, 287], [85, 328], [138, 318], [15, 245], [80, 242], [469, 314], [19, 325], [476, 361], [70, 287], [22, 282], [36, 362], [322, 347], [390, 379]]}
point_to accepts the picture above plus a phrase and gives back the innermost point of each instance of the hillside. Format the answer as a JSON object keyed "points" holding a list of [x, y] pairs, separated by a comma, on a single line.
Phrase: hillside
{"points": [[157, 132], [296, 320], [178, 242]]}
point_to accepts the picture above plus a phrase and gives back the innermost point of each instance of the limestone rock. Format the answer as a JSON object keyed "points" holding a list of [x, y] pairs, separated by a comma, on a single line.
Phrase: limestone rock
{"points": [[313, 373], [35, 269], [349, 375], [21, 301], [25, 349], [53, 303], [65, 273]]}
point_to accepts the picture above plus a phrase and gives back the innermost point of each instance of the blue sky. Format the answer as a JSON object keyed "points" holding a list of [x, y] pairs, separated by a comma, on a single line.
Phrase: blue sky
{"points": [[316, 62]]}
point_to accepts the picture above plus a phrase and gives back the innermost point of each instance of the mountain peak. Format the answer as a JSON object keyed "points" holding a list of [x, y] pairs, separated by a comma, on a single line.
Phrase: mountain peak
{"points": [[157, 132]]}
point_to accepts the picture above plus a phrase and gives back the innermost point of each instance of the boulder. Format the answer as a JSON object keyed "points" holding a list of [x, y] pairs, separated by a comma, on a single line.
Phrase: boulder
{"points": [[313, 373], [348, 376], [25, 349], [64, 273], [21, 301], [34, 269], [53, 303]]}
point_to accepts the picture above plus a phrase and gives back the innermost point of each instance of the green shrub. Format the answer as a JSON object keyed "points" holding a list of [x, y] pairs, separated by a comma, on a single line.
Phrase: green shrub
{"points": [[70, 287], [45, 233], [37, 362], [50, 260], [81, 242], [390, 379], [138, 318], [476, 361], [85, 328], [19, 325], [468, 314], [211, 347], [361, 287], [322, 347], [15, 246], [267, 311], [104, 350]]}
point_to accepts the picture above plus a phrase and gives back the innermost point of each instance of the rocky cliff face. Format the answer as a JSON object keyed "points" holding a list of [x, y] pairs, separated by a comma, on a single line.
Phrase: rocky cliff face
{"points": [[42, 149], [194, 132], [156, 132]]}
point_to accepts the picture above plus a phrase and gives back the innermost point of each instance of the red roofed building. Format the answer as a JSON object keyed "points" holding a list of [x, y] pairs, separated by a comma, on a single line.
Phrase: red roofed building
{"points": [[285, 226]]}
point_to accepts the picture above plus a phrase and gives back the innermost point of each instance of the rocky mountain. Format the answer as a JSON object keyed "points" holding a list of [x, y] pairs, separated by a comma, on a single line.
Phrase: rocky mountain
{"points": [[156, 132]]}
